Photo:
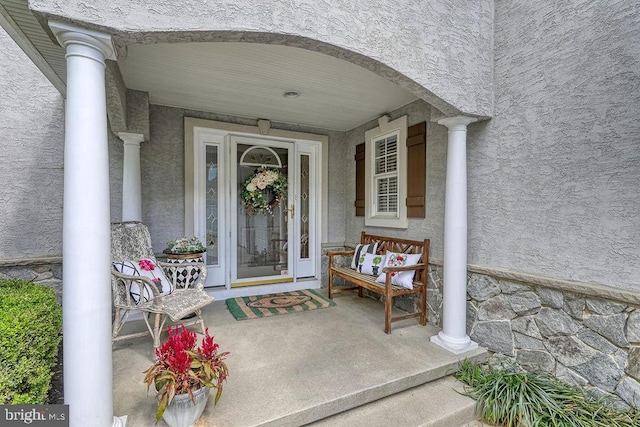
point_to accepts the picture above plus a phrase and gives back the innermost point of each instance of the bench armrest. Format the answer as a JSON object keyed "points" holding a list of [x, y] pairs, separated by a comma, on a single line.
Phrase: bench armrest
{"points": [[333, 254], [403, 268]]}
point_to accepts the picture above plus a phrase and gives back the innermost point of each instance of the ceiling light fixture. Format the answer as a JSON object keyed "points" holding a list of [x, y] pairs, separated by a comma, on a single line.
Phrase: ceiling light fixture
{"points": [[291, 94]]}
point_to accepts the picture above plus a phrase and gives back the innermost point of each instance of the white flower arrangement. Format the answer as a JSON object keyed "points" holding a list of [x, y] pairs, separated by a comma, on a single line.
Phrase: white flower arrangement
{"points": [[255, 187], [184, 245]]}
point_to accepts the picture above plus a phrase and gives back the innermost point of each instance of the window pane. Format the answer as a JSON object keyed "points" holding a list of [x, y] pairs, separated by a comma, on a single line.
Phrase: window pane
{"points": [[386, 174], [393, 203], [386, 154], [304, 206], [387, 195], [381, 148], [392, 153], [211, 197]]}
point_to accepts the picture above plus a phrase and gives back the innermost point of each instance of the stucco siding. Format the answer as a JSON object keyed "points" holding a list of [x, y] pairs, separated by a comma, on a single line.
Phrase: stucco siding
{"points": [[553, 177], [116, 158], [444, 46], [32, 141], [340, 193]]}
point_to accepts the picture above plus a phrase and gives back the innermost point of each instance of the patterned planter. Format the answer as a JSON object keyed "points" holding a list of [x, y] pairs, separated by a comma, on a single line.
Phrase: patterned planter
{"points": [[186, 276]]}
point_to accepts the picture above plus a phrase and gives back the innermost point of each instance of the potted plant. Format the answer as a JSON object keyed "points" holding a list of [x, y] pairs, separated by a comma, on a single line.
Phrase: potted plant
{"points": [[183, 251], [184, 245], [183, 373]]}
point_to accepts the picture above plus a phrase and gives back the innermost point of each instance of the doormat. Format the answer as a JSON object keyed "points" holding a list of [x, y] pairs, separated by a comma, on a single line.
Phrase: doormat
{"points": [[273, 304]]}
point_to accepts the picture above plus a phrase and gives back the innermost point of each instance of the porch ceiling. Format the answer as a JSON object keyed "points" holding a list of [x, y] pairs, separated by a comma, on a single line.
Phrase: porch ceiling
{"points": [[249, 79], [239, 79]]}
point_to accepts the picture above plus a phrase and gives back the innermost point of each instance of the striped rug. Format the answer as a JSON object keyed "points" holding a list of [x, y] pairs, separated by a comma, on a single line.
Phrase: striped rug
{"points": [[270, 305]]}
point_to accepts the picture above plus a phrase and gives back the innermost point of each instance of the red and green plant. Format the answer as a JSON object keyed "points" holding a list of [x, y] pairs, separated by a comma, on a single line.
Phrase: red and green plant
{"points": [[181, 367]]}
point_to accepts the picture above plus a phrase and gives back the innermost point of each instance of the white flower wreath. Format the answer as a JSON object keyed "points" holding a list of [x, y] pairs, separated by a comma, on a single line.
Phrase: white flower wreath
{"points": [[256, 187]]}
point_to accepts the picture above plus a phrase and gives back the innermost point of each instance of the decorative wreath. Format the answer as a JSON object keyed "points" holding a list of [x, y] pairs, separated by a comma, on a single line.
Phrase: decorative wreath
{"points": [[263, 191]]}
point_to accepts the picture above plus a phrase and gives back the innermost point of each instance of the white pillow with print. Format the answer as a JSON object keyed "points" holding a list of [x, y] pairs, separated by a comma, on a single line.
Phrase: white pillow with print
{"points": [[372, 264], [145, 268], [360, 251], [400, 278]]}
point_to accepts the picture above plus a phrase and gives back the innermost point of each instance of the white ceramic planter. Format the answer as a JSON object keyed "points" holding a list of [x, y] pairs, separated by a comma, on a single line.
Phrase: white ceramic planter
{"points": [[182, 412]]}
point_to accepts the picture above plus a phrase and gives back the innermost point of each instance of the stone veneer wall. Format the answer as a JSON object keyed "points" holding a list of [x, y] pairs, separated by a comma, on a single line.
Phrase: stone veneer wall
{"points": [[583, 334], [44, 271]]}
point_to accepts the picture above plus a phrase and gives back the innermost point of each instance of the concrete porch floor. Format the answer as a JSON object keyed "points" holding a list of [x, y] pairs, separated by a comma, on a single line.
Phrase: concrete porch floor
{"points": [[294, 369]]}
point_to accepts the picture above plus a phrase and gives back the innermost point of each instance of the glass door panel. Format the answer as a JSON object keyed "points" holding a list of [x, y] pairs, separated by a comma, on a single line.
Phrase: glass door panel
{"points": [[210, 218], [212, 208], [305, 217], [306, 212], [262, 223]]}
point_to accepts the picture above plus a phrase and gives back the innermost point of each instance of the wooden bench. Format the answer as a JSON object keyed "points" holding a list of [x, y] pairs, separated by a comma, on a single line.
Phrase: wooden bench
{"points": [[388, 290]]}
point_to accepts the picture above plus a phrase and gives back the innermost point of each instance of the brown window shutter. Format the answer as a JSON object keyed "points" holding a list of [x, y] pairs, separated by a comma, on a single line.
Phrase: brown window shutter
{"points": [[416, 170], [360, 159]]}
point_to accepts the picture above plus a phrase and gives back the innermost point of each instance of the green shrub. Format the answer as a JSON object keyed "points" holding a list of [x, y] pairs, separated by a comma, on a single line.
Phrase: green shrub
{"points": [[30, 324], [507, 396]]}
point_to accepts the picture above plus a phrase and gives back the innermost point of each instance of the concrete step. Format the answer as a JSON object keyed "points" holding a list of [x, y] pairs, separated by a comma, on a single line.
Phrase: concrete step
{"points": [[427, 397], [434, 404]]}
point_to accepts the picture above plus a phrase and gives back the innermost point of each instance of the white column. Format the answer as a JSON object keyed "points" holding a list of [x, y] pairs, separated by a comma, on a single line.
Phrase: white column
{"points": [[131, 186], [454, 311], [88, 383]]}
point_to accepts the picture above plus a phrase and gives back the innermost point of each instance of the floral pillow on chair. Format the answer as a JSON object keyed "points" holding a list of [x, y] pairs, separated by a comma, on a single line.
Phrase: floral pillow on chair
{"points": [[145, 268]]}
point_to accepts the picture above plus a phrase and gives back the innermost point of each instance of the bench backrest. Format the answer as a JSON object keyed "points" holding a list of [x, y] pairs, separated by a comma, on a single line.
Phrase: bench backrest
{"points": [[395, 244]]}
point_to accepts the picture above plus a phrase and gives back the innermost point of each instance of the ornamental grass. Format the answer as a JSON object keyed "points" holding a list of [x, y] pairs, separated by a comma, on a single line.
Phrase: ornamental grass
{"points": [[508, 397]]}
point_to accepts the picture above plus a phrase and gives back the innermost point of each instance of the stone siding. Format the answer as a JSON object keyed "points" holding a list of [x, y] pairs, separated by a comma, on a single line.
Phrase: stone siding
{"points": [[44, 271], [581, 339]]}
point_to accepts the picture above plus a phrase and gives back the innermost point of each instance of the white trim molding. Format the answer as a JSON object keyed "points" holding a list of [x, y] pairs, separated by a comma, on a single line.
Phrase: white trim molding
{"points": [[386, 128]]}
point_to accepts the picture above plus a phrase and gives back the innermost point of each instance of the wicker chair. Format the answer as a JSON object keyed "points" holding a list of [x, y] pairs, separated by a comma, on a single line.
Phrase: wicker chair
{"points": [[131, 242]]}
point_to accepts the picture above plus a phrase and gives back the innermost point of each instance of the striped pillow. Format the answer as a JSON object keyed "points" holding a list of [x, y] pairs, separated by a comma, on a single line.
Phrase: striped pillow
{"points": [[358, 255]]}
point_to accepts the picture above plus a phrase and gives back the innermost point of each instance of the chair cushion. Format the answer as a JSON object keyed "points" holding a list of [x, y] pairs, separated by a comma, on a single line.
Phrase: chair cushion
{"points": [[358, 254], [400, 278], [372, 264], [145, 268]]}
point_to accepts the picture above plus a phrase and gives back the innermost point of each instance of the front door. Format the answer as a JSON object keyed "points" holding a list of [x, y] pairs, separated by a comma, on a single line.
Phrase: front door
{"points": [[261, 193], [257, 206]]}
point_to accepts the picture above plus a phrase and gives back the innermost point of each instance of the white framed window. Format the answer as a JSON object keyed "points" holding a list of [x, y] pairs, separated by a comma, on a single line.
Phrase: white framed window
{"points": [[385, 174]]}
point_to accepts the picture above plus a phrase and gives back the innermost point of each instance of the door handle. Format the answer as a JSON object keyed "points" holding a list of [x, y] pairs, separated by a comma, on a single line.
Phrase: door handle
{"points": [[292, 210]]}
